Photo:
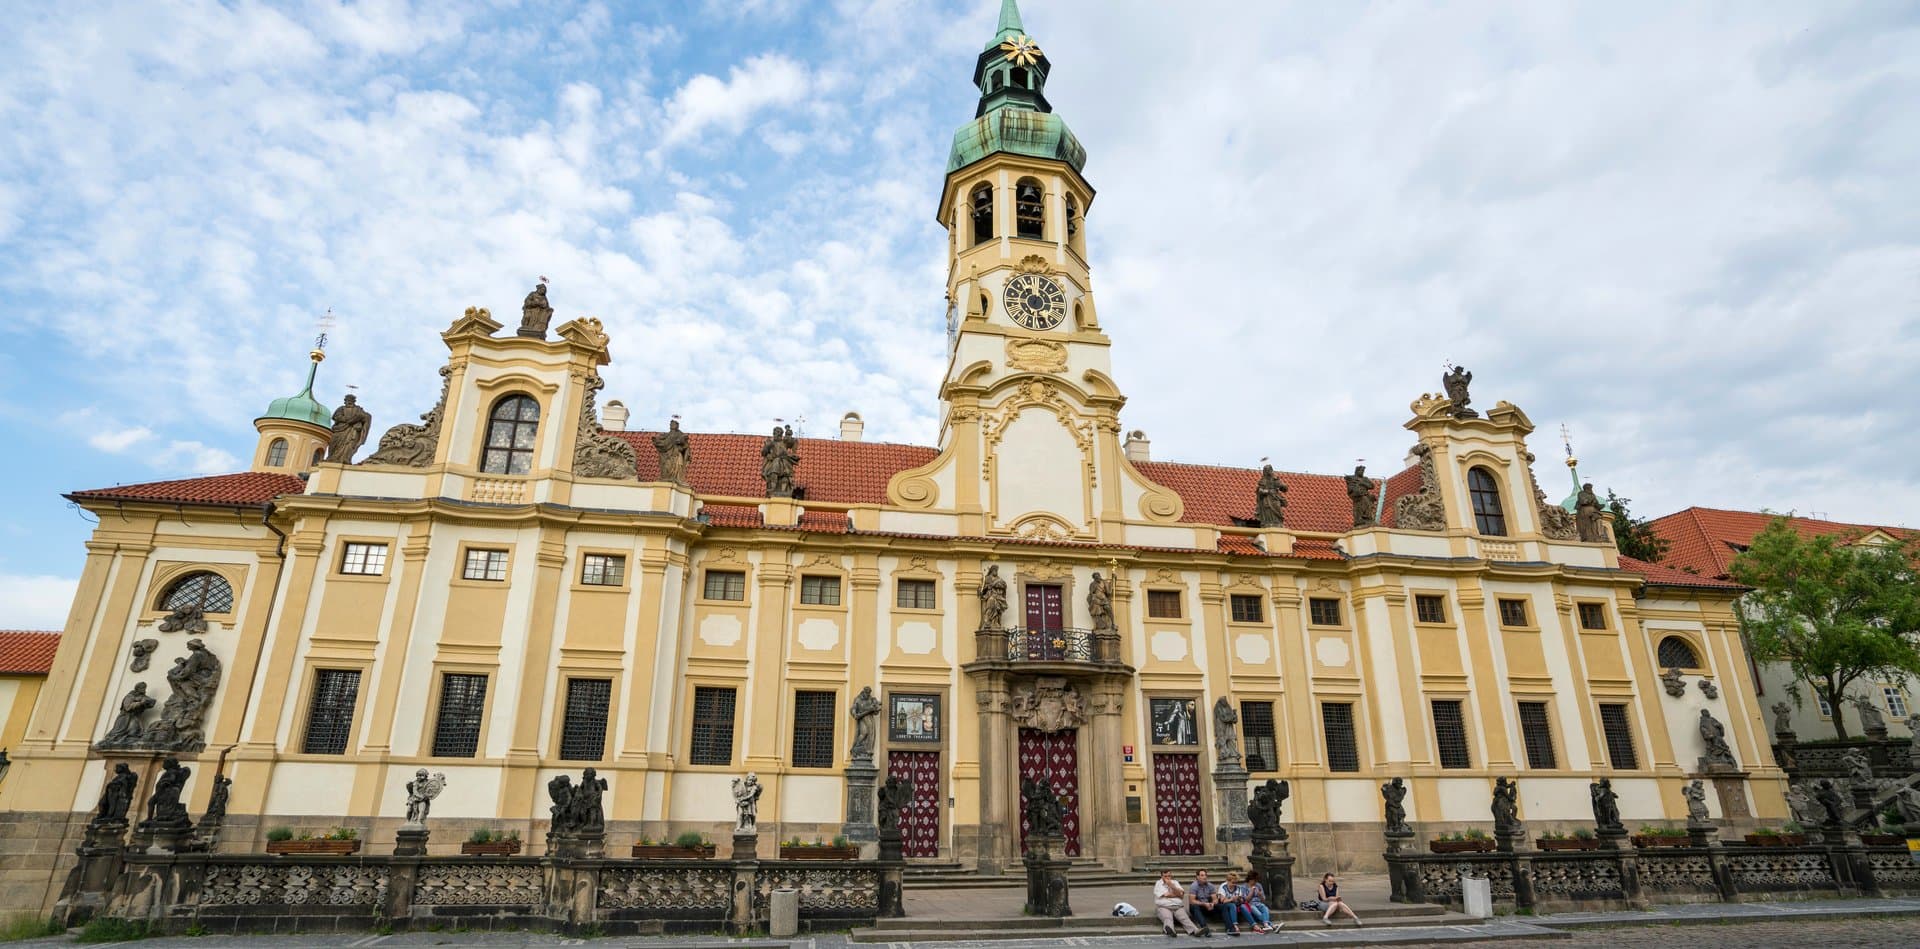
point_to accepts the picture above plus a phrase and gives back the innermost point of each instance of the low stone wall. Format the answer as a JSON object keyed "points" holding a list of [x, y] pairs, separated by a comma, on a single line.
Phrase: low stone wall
{"points": [[231, 893], [1890, 757], [36, 853], [1636, 878]]}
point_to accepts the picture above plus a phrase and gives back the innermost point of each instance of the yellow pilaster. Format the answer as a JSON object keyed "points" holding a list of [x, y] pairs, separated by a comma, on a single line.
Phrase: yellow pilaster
{"points": [[1489, 693], [536, 672]]}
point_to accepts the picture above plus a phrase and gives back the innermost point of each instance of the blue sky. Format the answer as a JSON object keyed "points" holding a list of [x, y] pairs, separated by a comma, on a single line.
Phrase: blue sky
{"points": [[1688, 232]]}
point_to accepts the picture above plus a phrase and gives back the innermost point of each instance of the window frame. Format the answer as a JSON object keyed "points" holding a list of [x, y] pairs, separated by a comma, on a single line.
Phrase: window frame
{"points": [[1250, 736], [618, 561], [708, 575], [352, 712], [1236, 600], [439, 707], [511, 449], [819, 583], [1545, 724], [919, 584], [694, 723], [1525, 605], [1626, 735], [1599, 608], [1352, 726], [1438, 600], [1892, 695], [819, 735], [1157, 598], [977, 210], [216, 580], [1697, 663], [1489, 509], [565, 718], [466, 564], [347, 548], [1313, 606], [1452, 752], [1038, 219], [277, 453]]}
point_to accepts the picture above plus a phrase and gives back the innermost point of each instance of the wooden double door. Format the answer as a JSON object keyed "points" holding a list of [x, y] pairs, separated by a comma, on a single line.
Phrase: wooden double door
{"points": [[920, 819], [1053, 758]]}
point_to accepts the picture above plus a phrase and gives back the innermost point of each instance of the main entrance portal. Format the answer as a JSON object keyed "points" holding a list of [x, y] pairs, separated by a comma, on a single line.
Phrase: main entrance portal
{"points": [[1053, 759], [1176, 803], [920, 819]]}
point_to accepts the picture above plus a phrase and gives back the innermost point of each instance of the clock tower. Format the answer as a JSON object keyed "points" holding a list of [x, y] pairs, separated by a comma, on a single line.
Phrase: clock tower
{"points": [[1028, 373]]}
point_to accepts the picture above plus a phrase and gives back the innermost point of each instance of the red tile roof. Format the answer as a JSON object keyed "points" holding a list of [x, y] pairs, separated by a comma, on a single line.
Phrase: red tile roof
{"points": [[1704, 540], [27, 651], [1217, 495], [230, 490], [830, 470], [1662, 576], [1406, 482]]}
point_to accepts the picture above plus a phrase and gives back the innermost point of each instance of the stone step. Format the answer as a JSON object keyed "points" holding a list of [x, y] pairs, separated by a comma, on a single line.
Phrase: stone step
{"points": [[903, 930], [1397, 915]]}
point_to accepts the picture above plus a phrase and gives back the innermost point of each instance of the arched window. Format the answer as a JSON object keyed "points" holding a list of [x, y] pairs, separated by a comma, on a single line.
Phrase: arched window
{"points": [[999, 80], [318, 453], [1028, 214], [208, 591], [1487, 514], [1020, 79], [1677, 653], [982, 201], [277, 453], [1073, 218], [511, 429]]}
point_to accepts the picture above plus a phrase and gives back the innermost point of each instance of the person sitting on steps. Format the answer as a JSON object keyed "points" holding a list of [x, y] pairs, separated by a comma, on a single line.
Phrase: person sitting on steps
{"points": [[1204, 900], [1330, 895], [1170, 904], [1256, 904]]}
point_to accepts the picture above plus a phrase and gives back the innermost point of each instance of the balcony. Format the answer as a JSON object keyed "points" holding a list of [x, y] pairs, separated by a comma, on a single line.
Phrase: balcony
{"points": [[1049, 645]]}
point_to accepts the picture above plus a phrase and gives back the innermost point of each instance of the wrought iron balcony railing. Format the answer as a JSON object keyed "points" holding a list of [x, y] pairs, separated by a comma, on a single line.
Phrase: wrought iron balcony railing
{"points": [[1049, 645]]}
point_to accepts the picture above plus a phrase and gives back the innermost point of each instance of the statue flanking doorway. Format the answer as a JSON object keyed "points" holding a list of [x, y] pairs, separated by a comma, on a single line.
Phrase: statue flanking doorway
{"points": [[1054, 758]]}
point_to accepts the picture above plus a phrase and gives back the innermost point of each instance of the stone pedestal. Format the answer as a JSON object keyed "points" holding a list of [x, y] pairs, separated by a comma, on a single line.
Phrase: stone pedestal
{"points": [[1862, 795], [1230, 793], [577, 846], [410, 841], [1403, 869], [1271, 859], [746, 846], [157, 837], [1047, 864], [1702, 835], [1730, 786], [1511, 839], [1612, 838], [891, 846], [90, 881], [860, 827]]}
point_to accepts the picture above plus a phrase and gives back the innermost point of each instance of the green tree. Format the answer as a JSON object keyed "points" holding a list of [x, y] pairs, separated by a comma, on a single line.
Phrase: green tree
{"points": [[1832, 610], [1634, 537]]}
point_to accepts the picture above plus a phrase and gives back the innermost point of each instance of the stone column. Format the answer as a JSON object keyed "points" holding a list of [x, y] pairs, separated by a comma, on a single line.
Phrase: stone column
{"points": [[860, 827], [1231, 827], [997, 768], [1274, 862], [892, 882], [746, 879], [1403, 868], [1046, 862], [1106, 806]]}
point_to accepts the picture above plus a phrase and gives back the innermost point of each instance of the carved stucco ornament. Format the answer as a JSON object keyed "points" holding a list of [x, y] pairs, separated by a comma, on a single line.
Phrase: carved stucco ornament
{"points": [[1676, 683], [1556, 522], [597, 454], [413, 445], [1048, 705], [1036, 355], [1033, 263], [1422, 510]]}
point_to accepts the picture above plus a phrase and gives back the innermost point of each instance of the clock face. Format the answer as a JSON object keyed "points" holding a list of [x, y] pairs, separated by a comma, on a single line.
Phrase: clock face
{"points": [[1035, 302]]}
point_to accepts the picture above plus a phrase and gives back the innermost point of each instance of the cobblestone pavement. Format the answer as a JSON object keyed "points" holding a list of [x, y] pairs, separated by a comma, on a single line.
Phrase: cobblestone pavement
{"points": [[1868, 933]]}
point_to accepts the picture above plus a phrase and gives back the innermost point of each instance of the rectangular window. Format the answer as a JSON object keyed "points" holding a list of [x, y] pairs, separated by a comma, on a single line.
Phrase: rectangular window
{"points": [[1896, 701], [1593, 616], [813, 715], [330, 711], [1323, 611], [583, 731], [1826, 710], [1163, 604], [365, 559], [914, 595], [463, 698], [725, 585], [1513, 613], [1246, 608], [603, 570], [712, 726], [820, 591], [1450, 733], [1537, 732], [485, 565], [1613, 722], [1430, 607], [1256, 726], [1336, 719]]}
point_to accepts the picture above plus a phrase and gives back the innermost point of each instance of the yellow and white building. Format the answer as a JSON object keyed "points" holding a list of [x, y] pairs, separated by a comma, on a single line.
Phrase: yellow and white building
{"points": [[492, 613]]}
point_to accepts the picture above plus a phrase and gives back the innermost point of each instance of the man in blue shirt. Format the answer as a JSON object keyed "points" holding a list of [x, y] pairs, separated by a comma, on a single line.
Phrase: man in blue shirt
{"points": [[1204, 901]]}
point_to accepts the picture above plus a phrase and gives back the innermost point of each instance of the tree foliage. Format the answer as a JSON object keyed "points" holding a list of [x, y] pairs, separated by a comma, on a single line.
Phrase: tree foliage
{"points": [[1634, 537], [1834, 611]]}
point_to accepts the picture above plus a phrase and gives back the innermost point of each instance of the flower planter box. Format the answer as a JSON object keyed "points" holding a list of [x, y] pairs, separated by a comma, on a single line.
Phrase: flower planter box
{"points": [[492, 848], [818, 853], [1648, 841], [1460, 846], [1776, 840], [335, 847], [1567, 843], [673, 852], [1883, 840]]}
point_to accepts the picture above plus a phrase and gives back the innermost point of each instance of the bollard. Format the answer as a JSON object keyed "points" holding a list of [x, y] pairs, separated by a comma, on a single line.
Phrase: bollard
{"points": [[1477, 895], [784, 912]]}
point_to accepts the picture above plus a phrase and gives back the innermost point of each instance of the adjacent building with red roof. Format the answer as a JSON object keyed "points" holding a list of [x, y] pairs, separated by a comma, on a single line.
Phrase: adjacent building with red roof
{"points": [[26, 655]]}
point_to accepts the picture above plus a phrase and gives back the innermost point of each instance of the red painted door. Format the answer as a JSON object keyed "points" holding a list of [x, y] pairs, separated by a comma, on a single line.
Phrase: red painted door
{"points": [[1043, 606], [1176, 803], [1052, 758], [920, 821]]}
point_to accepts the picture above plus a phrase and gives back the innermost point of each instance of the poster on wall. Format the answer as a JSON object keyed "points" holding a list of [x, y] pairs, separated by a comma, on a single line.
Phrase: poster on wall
{"points": [[1174, 722], [914, 718]]}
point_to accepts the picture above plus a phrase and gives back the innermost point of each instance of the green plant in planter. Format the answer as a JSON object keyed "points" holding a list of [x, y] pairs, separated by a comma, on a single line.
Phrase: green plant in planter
{"points": [[1793, 828], [1765, 832], [793, 842], [480, 836], [839, 840], [1476, 834], [305, 835], [1648, 830], [1553, 835], [691, 838], [1581, 833], [514, 836], [343, 833], [280, 834]]}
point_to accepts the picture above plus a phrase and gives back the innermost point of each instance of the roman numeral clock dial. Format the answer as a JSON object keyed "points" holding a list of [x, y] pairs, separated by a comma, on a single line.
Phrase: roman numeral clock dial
{"points": [[1034, 301]]}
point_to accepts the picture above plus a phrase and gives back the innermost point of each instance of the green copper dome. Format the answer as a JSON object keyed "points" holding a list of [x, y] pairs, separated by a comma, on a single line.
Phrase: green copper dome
{"points": [[302, 407], [1014, 115]]}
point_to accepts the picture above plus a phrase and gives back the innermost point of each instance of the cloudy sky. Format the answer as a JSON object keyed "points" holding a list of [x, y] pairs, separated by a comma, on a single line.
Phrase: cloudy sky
{"points": [[1689, 232]]}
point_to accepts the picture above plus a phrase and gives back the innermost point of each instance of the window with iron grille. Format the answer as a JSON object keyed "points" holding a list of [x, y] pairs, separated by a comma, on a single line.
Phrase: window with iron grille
{"points": [[1163, 604], [820, 591], [330, 711], [364, 559], [1593, 616], [725, 585], [1677, 653], [456, 733], [512, 431], [712, 725], [1450, 733], [277, 453], [583, 731], [1488, 517], [813, 715], [1430, 607], [1246, 608], [1613, 722], [1323, 611], [208, 591], [603, 570], [485, 565], [914, 595], [1336, 719], [1256, 727], [1896, 701], [1513, 612], [1537, 732]]}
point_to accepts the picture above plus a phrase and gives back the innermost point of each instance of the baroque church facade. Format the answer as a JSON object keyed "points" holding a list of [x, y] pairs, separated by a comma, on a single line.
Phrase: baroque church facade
{"points": [[518, 587]]}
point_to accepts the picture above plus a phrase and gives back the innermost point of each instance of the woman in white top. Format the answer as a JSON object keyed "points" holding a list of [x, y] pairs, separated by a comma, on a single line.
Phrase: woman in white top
{"points": [[1170, 903]]}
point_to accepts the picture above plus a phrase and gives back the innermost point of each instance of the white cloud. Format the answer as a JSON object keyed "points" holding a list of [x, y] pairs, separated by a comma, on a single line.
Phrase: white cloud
{"points": [[35, 602], [197, 458], [115, 441], [705, 101]]}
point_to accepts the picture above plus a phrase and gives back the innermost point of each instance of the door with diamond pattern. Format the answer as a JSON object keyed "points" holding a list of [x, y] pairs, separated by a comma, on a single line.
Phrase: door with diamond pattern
{"points": [[920, 819], [1054, 759], [1176, 804]]}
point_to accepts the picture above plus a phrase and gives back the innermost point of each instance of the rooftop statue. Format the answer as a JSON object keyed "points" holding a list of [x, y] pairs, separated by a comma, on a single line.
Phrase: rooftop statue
{"points": [[779, 457], [1586, 515], [535, 314], [1270, 499], [676, 454], [1456, 383], [1360, 491], [350, 425]]}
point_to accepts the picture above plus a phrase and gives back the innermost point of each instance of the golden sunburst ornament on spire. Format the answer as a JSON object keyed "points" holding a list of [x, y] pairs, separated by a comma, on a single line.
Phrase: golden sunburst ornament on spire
{"points": [[1021, 50]]}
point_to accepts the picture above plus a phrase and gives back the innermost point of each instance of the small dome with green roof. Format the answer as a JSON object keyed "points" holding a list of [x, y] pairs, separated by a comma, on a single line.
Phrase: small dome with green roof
{"points": [[302, 407], [1013, 115]]}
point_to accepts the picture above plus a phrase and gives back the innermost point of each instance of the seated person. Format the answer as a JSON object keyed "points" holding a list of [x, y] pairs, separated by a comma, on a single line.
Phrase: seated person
{"points": [[1204, 901], [1170, 904]]}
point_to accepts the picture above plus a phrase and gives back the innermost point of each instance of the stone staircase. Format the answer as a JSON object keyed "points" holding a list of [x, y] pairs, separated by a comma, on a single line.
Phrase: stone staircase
{"points": [[1085, 872], [1041, 928]]}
